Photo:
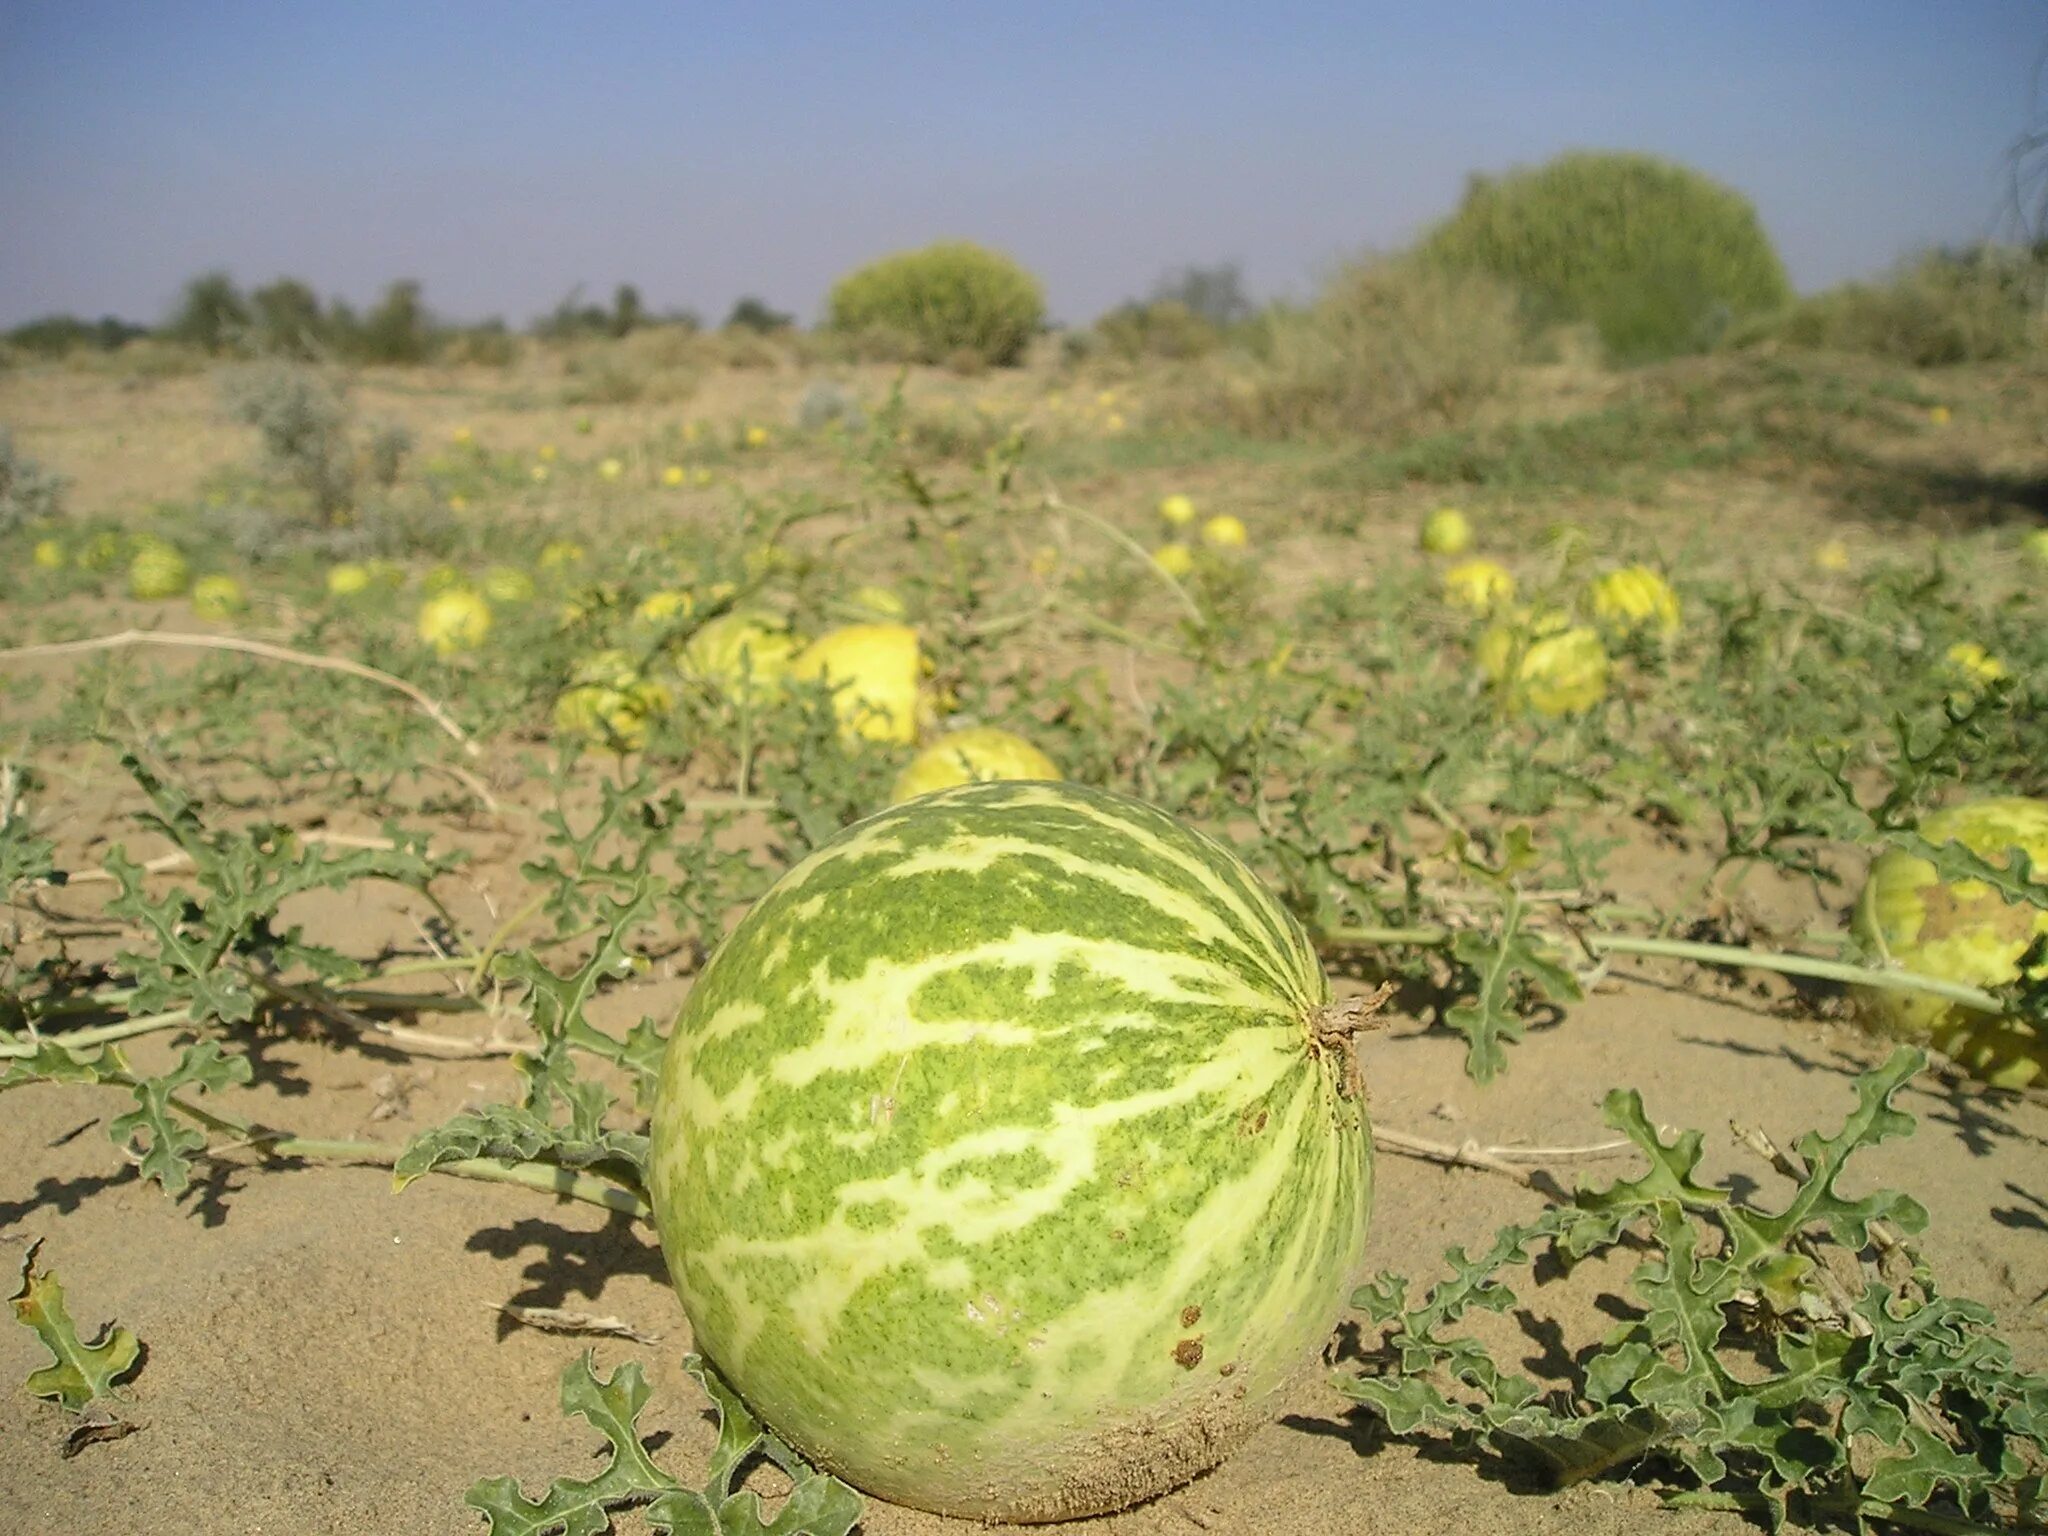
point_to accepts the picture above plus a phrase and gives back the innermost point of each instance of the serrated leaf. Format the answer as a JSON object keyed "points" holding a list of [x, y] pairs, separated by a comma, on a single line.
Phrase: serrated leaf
{"points": [[170, 1140], [80, 1373], [50, 1061], [582, 1506], [512, 1134], [818, 1505], [2013, 879], [1508, 968], [1906, 1370]]}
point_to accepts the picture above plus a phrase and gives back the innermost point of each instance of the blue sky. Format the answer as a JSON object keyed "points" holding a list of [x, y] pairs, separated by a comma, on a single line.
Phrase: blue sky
{"points": [[504, 152]]}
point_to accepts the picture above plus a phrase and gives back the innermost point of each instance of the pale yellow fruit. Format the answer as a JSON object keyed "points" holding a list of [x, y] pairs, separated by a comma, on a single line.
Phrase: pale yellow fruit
{"points": [[218, 598], [1174, 559], [659, 608], [972, 756], [1178, 510], [1481, 585], [876, 673], [2037, 545], [757, 437], [1832, 556], [49, 555], [1636, 600], [348, 580], [101, 551], [1446, 532], [672, 476], [157, 571], [743, 656], [1977, 667], [454, 621], [1547, 664], [1962, 931], [611, 702], [559, 553], [610, 470], [1224, 532]]}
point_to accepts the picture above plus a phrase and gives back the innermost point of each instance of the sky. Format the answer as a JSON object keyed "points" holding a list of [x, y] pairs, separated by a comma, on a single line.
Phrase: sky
{"points": [[504, 153]]}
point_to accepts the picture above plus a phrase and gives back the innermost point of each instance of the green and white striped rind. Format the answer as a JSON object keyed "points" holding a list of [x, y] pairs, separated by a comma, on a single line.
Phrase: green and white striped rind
{"points": [[996, 1158]]}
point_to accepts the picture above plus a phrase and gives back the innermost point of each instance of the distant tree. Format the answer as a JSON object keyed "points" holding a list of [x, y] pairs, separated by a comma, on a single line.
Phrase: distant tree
{"points": [[211, 314], [628, 313], [288, 322], [573, 317], [1215, 294], [752, 314], [59, 335], [398, 329]]}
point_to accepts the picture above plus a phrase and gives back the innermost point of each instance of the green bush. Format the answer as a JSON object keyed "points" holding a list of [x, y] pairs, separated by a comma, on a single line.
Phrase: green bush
{"points": [[1161, 328], [1967, 307], [1658, 258], [211, 315], [1389, 345], [958, 301], [29, 493]]}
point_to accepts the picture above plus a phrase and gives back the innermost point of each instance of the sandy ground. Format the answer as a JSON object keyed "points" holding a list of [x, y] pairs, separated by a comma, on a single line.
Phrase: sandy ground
{"points": [[327, 1356]]}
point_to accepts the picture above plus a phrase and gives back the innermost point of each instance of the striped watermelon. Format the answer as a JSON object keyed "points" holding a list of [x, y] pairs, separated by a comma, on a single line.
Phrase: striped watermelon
{"points": [[1009, 1158]]}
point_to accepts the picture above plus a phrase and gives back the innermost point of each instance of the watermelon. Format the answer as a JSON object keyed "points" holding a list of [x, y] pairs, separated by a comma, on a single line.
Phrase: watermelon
{"points": [[1960, 930], [1010, 1158]]}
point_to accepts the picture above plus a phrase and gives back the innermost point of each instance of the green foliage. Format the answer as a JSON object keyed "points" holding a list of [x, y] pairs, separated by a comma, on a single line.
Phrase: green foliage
{"points": [[1754, 1377], [817, 1505], [1388, 345], [1658, 258], [211, 315], [80, 1373], [56, 336], [303, 423], [397, 329], [1161, 328], [956, 300], [288, 322], [758, 316], [1947, 308], [29, 493]]}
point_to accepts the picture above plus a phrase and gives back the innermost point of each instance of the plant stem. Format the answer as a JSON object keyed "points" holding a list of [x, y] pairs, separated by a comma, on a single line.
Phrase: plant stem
{"points": [[1435, 936], [125, 1029], [381, 1154], [542, 1176]]}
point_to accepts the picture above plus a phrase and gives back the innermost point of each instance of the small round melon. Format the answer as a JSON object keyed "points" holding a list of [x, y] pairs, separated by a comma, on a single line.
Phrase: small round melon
{"points": [[1962, 931], [980, 754], [1009, 1158]]}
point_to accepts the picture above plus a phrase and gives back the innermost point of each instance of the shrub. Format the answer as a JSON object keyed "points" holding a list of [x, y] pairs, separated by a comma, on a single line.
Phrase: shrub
{"points": [[29, 493], [302, 422], [287, 321], [211, 315], [1967, 307], [1215, 294], [397, 330], [61, 335], [952, 298], [1658, 257], [752, 314], [1164, 328], [1389, 344]]}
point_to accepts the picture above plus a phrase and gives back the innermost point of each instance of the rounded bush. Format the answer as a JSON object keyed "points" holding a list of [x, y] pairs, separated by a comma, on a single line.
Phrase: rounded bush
{"points": [[952, 300], [1658, 258]]}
